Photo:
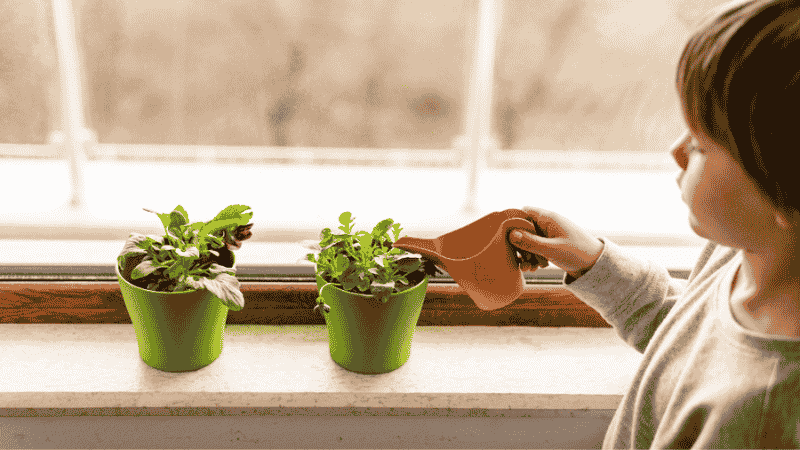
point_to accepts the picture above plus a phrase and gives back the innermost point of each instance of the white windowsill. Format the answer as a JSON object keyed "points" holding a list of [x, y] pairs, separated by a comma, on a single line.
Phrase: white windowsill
{"points": [[286, 366]]}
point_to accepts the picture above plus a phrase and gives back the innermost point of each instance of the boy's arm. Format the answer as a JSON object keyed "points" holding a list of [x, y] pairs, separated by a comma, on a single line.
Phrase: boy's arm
{"points": [[631, 294]]}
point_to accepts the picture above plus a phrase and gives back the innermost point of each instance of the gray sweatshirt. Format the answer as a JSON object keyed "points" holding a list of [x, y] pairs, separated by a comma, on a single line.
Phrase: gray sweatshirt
{"points": [[704, 381]]}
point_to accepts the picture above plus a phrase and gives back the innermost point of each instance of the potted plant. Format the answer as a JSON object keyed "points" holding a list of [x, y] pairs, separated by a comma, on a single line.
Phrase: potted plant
{"points": [[179, 287], [370, 295]]}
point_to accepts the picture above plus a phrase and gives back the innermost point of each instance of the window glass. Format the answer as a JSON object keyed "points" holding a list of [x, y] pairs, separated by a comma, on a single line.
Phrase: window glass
{"points": [[352, 74], [29, 89], [593, 75]]}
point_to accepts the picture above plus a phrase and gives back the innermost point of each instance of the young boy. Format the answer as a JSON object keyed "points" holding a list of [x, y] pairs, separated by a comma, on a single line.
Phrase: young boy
{"points": [[721, 352]]}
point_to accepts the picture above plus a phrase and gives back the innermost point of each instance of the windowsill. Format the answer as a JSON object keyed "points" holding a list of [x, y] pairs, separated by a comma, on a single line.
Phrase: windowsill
{"points": [[65, 366]]}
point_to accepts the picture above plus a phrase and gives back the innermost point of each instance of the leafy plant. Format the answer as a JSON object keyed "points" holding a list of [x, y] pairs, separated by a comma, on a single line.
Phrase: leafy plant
{"points": [[366, 263], [189, 256]]}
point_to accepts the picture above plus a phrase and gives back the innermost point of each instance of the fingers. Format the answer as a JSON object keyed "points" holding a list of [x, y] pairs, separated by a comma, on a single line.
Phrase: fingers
{"points": [[527, 248], [536, 261], [542, 261], [541, 219], [531, 267], [538, 214], [522, 239]]}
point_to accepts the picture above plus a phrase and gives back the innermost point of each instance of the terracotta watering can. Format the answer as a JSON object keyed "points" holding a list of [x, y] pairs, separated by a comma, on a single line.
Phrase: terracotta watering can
{"points": [[479, 257]]}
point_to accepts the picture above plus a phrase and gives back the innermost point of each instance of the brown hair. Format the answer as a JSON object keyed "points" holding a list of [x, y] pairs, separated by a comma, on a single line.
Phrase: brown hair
{"points": [[738, 84]]}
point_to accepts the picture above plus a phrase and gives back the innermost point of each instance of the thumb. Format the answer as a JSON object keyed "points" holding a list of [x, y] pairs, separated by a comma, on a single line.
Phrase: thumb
{"points": [[532, 245], [526, 240]]}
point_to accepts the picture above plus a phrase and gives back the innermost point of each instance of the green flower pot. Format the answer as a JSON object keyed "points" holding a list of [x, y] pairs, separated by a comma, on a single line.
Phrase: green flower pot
{"points": [[366, 335], [176, 331]]}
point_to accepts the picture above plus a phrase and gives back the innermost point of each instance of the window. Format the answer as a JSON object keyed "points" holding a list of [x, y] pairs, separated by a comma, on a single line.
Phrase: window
{"points": [[432, 113]]}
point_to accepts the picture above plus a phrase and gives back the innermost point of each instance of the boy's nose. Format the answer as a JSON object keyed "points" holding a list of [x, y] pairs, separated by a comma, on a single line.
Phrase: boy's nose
{"points": [[679, 150]]}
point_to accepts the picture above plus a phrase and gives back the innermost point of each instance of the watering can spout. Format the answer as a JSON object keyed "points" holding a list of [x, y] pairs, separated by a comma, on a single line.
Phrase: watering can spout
{"points": [[425, 247]]}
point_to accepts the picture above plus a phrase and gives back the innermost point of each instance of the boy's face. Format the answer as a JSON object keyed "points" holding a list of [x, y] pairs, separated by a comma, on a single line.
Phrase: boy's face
{"points": [[724, 205]]}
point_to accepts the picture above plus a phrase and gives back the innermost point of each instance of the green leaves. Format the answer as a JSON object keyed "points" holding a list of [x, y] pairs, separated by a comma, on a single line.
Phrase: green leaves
{"points": [[178, 217], [218, 225], [224, 286], [381, 228], [132, 252], [340, 264], [396, 231], [235, 212], [144, 269], [365, 241], [189, 255], [366, 263], [346, 220], [229, 218]]}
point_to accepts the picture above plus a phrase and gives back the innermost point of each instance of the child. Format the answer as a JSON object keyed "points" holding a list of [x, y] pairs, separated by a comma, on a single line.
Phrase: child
{"points": [[721, 352]]}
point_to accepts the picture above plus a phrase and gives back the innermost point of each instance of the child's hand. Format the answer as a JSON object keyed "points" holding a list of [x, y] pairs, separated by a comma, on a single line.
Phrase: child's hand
{"points": [[562, 242]]}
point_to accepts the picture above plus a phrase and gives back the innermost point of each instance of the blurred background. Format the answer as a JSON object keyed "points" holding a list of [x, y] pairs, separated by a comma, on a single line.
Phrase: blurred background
{"points": [[569, 74], [433, 113]]}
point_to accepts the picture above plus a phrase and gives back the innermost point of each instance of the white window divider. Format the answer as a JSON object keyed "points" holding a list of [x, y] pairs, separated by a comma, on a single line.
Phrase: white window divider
{"points": [[477, 140], [74, 134]]}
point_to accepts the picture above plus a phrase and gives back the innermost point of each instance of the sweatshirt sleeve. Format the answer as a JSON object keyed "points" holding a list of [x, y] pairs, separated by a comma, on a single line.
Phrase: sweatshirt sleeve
{"points": [[631, 294]]}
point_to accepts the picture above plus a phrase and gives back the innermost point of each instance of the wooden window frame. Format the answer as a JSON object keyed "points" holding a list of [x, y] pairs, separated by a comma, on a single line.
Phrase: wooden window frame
{"points": [[91, 294]]}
